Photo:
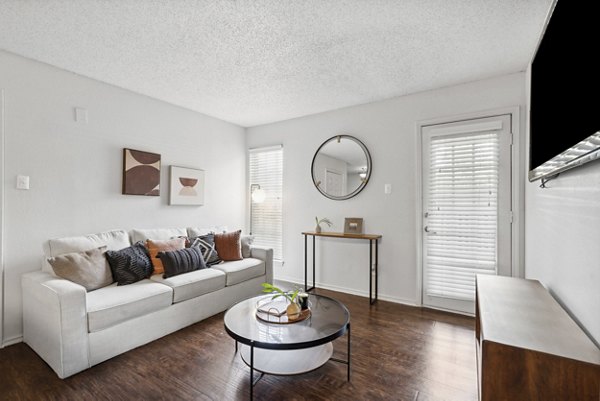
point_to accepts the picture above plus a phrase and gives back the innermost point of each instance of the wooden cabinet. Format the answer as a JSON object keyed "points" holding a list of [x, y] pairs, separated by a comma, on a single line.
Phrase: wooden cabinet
{"points": [[528, 347]]}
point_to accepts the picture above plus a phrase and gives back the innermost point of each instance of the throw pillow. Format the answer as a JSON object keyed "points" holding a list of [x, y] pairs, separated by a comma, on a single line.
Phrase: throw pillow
{"points": [[206, 243], [89, 268], [181, 261], [229, 245], [130, 264], [246, 241], [156, 246]]}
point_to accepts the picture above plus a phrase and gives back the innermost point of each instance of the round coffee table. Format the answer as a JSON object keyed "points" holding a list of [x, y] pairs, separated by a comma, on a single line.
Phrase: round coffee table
{"points": [[288, 349]]}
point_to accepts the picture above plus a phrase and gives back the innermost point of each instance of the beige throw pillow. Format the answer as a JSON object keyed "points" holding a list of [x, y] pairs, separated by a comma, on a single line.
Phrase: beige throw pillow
{"points": [[89, 268], [155, 246]]}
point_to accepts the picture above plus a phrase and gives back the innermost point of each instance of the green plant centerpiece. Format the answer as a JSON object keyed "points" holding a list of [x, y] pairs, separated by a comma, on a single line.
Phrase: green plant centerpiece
{"points": [[324, 220], [293, 309]]}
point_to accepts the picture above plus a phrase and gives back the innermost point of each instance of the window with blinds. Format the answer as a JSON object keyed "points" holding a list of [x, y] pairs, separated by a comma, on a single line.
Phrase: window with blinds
{"points": [[462, 213], [266, 222]]}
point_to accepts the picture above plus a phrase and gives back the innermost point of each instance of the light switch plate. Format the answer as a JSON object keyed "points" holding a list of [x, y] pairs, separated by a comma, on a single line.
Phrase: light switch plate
{"points": [[81, 115], [22, 182], [387, 189]]}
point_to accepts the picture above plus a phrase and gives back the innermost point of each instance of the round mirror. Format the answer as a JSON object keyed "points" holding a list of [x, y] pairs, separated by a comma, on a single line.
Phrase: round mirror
{"points": [[341, 167]]}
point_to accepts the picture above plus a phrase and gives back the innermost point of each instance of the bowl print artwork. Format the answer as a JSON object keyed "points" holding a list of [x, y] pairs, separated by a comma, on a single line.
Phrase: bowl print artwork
{"points": [[187, 186]]}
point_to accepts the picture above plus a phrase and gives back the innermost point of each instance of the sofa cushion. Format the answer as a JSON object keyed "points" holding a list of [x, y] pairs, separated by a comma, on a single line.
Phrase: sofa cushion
{"points": [[193, 284], [198, 231], [241, 270], [130, 264], [88, 269], [181, 261], [138, 234], [114, 304], [246, 241], [114, 240]]}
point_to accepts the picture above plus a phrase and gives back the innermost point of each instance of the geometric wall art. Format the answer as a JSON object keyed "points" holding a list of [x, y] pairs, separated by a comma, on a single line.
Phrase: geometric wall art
{"points": [[187, 186], [141, 173]]}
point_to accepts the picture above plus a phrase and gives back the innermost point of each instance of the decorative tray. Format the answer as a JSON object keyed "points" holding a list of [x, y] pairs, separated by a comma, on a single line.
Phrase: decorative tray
{"points": [[275, 312]]}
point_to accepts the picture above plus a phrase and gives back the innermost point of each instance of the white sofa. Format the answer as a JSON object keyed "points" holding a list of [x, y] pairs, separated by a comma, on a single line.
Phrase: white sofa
{"points": [[72, 329]]}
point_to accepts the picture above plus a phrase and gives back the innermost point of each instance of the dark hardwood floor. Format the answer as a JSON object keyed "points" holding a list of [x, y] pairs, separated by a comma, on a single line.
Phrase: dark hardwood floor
{"points": [[398, 353]]}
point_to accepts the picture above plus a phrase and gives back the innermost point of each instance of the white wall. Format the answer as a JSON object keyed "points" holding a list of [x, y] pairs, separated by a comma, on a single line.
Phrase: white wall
{"points": [[388, 129], [562, 238], [76, 169]]}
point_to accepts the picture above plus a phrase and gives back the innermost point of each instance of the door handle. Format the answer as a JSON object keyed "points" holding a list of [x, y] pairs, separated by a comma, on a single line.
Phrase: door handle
{"points": [[427, 230]]}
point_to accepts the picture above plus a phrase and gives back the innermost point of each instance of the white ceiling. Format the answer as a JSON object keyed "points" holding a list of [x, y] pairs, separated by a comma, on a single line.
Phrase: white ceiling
{"points": [[252, 62]]}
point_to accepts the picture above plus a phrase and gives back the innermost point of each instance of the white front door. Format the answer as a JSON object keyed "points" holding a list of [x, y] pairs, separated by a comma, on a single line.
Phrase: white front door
{"points": [[334, 183], [467, 208], [1, 217]]}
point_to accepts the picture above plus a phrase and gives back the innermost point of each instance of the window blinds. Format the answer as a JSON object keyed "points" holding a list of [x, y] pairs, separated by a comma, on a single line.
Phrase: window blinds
{"points": [[462, 213], [266, 170]]}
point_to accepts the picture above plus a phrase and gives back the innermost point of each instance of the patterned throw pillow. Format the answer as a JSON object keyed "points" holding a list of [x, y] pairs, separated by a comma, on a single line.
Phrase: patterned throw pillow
{"points": [[206, 243], [88, 268], [229, 245], [182, 261], [130, 264], [156, 246]]}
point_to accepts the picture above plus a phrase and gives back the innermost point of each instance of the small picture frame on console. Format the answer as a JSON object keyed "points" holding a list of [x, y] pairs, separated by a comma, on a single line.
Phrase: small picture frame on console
{"points": [[353, 225]]}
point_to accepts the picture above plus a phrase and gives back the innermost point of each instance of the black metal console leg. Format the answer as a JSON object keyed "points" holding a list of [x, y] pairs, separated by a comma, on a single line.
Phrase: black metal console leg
{"points": [[371, 272], [305, 263], [306, 287], [314, 253], [236, 346], [376, 269]]}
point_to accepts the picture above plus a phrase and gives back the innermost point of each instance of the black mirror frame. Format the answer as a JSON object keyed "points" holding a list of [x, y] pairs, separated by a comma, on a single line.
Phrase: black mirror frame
{"points": [[366, 179]]}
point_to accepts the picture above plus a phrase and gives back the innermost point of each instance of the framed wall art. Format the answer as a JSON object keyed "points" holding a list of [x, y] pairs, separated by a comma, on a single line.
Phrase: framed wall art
{"points": [[353, 225], [141, 173], [187, 186]]}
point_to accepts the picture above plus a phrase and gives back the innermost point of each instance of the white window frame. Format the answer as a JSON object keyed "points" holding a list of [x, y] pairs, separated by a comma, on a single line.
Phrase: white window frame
{"points": [[277, 257]]}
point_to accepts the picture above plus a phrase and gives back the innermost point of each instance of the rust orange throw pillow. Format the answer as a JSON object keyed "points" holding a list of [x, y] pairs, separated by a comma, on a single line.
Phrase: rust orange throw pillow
{"points": [[155, 246], [230, 245]]}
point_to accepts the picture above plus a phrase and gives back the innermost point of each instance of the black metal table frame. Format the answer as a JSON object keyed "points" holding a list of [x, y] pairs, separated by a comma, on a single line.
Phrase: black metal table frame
{"points": [[372, 268], [308, 344]]}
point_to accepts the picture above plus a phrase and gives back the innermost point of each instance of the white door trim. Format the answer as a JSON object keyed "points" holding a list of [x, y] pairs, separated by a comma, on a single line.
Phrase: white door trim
{"points": [[2, 203], [517, 186]]}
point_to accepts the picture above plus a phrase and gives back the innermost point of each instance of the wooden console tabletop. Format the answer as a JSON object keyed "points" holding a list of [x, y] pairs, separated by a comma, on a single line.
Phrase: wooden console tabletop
{"points": [[373, 243], [342, 235]]}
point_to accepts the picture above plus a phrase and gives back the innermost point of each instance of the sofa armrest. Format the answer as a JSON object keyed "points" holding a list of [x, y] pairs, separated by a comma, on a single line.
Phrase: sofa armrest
{"points": [[266, 255], [55, 321]]}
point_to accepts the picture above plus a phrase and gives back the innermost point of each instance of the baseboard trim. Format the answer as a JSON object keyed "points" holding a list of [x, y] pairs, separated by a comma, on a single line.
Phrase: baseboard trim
{"points": [[12, 341], [456, 312], [351, 291]]}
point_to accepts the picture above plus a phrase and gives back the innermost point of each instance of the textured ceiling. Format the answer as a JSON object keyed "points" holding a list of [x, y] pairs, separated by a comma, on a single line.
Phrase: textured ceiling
{"points": [[252, 62]]}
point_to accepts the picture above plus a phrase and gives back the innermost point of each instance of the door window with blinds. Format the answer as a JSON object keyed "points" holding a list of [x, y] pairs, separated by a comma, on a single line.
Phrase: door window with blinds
{"points": [[265, 172], [466, 204]]}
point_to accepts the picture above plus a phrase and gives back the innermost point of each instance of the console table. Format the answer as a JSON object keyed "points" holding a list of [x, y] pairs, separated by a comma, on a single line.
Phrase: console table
{"points": [[373, 242], [528, 347]]}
